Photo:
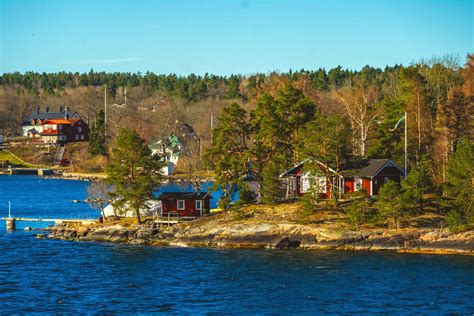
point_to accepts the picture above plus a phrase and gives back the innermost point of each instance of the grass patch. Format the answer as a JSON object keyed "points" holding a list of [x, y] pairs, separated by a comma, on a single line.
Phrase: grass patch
{"points": [[5, 155]]}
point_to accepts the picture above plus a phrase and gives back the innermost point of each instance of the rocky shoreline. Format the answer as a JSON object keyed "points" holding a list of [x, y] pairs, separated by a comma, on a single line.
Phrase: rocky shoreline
{"points": [[202, 233], [77, 176], [102, 176]]}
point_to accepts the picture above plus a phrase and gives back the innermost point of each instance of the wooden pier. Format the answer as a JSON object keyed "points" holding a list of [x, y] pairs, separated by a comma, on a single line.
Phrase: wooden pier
{"points": [[11, 221]]}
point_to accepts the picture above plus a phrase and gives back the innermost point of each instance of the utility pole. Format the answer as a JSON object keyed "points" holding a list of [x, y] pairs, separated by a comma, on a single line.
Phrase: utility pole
{"points": [[404, 117], [105, 105], [406, 144]]}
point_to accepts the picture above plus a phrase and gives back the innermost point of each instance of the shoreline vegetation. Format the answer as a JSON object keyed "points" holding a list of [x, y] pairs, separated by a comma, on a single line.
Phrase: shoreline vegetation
{"points": [[335, 121], [275, 227]]}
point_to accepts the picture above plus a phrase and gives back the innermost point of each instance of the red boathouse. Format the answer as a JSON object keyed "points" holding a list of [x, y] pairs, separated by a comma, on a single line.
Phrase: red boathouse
{"points": [[192, 204]]}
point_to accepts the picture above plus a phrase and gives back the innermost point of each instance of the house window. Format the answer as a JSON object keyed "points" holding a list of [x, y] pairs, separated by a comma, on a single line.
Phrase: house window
{"points": [[358, 184], [79, 129], [385, 180], [198, 205], [76, 137], [322, 184], [60, 127], [180, 205], [82, 137], [305, 183]]}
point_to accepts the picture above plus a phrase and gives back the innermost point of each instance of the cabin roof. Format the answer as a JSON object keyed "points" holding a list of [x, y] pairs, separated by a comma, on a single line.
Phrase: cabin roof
{"points": [[362, 168], [374, 166], [293, 170], [182, 196]]}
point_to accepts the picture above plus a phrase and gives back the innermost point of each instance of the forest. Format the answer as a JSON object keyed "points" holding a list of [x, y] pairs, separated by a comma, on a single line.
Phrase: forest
{"points": [[264, 123]]}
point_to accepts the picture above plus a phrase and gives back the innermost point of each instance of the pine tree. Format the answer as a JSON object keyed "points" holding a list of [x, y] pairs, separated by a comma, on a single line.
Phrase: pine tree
{"points": [[97, 140], [133, 171], [391, 203], [228, 151], [459, 186], [271, 189], [418, 183]]}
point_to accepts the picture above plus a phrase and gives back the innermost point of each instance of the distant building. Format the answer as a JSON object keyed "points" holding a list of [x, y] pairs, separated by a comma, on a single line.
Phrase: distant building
{"points": [[192, 204], [169, 150], [63, 131], [34, 124], [369, 175]]}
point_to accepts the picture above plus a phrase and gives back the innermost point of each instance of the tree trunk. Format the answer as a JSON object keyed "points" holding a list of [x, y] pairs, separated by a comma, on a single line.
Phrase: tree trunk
{"points": [[137, 213], [103, 214], [397, 223]]}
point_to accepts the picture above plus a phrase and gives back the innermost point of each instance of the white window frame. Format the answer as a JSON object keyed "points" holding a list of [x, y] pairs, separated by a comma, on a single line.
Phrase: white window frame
{"points": [[305, 183], [182, 208], [358, 184], [82, 137], [322, 183], [200, 205], [385, 180], [79, 129]]}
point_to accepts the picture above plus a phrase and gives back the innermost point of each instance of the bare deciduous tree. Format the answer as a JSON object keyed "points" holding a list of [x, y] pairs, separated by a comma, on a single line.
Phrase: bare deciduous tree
{"points": [[360, 107], [99, 197]]}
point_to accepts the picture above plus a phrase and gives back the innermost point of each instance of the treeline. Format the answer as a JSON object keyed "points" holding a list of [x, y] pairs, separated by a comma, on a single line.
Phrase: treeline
{"points": [[356, 121], [192, 87], [437, 95]]}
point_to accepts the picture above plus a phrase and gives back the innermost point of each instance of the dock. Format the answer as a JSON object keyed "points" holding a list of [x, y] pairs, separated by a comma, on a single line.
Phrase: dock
{"points": [[30, 171], [11, 221]]}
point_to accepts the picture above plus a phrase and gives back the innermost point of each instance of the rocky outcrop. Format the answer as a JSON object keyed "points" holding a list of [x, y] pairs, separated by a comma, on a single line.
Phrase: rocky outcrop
{"points": [[274, 235]]}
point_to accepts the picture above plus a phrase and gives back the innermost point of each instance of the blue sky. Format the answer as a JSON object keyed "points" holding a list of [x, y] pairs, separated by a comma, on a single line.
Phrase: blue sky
{"points": [[228, 36]]}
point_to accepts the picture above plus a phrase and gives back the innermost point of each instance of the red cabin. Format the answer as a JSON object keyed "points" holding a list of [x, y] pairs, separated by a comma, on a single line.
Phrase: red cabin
{"points": [[370, 175], [192, 204]]}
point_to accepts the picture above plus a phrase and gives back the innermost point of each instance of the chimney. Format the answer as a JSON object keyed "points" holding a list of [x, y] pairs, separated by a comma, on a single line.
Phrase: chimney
{"points": [[38, 109], [61, 109], [47, 109]]}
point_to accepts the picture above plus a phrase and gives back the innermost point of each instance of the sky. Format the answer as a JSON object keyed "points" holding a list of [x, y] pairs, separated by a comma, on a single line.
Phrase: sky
{"points": [[228, 36]]}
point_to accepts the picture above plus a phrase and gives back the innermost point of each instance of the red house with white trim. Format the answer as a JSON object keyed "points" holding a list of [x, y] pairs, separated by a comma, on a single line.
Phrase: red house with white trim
{"points": [[185, 204], [61, 131], [371, 175]]}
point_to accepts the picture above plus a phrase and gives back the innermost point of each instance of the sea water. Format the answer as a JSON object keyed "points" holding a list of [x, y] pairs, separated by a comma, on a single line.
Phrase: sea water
{"points": [[62, 277]]}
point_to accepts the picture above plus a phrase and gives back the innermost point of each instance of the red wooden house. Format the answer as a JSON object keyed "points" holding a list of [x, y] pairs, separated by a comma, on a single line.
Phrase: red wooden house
{"points": [[192, 204], [371, 175], [61, 131]]}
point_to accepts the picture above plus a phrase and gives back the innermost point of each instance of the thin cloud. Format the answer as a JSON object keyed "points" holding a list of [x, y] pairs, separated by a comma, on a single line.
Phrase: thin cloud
{"points": [[102, 61]]}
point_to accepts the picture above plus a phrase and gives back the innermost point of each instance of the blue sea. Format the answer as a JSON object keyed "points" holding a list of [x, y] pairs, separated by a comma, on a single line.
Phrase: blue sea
{"points": [[61, 277]]}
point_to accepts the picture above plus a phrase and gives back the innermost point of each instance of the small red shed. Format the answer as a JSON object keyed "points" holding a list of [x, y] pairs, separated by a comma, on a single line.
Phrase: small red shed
{"points": [[192, 204]]}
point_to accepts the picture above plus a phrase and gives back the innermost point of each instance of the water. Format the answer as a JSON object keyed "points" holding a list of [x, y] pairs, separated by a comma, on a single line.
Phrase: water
{"points": [[48, 276]]}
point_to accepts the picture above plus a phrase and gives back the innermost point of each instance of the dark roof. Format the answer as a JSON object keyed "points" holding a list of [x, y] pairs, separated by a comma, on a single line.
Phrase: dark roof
{"points": [[50, 115], [374, 166], [183, 196], [294, 169], [360, 168]]}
